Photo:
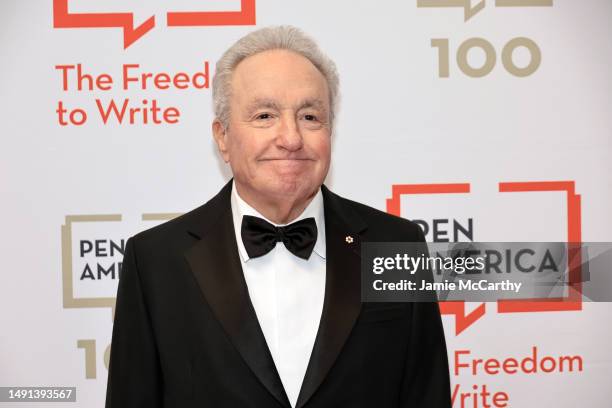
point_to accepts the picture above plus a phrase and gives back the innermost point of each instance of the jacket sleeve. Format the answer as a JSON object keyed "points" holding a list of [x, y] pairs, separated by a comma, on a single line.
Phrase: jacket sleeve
{"points": [[134, 374], [426, 382]]}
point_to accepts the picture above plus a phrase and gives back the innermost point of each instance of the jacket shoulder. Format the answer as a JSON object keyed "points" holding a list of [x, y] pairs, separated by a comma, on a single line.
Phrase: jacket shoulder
{"points": [[384, 226], [179, 224], [183, 229]]}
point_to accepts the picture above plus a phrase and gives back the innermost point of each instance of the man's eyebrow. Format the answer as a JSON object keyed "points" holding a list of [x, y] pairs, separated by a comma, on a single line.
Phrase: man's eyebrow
{"points": [[259, 103], [312, 103]]}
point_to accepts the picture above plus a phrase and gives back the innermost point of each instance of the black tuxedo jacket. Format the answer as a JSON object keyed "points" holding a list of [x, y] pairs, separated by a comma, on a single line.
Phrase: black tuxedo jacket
{"points": [[186, 335]]}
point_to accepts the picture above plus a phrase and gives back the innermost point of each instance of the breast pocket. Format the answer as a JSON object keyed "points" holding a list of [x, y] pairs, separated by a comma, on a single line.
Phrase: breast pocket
{"points": [[382, 314]]}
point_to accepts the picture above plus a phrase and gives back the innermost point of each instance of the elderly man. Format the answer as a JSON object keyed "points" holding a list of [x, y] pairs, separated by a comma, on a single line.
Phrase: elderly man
{"points": [[253, 299]]}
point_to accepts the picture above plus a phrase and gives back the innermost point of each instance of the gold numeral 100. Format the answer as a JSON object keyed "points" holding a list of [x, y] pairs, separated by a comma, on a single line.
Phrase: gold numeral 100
{"points": [[490, 57]]}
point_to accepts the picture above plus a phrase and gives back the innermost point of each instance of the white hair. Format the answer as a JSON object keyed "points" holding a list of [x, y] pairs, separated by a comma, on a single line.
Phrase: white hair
{"points": [[271, 38]]}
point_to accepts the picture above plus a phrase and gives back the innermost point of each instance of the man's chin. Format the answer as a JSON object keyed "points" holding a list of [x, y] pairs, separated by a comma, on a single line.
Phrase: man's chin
{"points": [[282, 186], [290, 187], [287, 188]]}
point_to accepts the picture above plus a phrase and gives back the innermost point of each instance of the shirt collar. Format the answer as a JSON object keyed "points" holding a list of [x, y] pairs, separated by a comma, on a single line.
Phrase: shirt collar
{"points": [[314, 209]]}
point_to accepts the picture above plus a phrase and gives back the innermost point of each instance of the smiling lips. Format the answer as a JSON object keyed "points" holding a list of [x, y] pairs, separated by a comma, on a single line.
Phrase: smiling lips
{"points": [[291, 164], [287, 159]]}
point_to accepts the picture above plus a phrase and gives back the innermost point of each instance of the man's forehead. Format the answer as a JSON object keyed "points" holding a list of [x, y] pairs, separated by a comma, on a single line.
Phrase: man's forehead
{"points": [[276, 67], [276, 57]]}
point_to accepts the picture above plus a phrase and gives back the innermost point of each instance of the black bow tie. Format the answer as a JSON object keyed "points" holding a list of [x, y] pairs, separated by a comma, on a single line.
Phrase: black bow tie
{"points": [[260, 237]]}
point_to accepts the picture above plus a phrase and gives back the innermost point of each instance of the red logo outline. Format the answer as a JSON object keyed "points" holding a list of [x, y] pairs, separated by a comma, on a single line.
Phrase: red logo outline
{"points": [[573, 302], [62, 18]]}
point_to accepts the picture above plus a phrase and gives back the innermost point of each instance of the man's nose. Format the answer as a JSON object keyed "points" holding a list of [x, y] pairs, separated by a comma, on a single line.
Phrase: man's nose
{"points": [[289, 136]]}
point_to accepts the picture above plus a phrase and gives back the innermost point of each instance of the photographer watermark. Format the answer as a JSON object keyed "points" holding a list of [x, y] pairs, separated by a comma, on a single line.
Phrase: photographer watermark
{"points": [[486, 271]]}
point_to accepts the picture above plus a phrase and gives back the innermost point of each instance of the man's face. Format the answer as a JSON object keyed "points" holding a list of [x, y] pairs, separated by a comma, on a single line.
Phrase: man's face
{"points": [[278, 139]]}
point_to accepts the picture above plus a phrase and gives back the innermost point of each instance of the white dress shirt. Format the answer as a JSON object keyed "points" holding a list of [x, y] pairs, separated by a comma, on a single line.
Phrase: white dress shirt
{"points": [[287, 293]]}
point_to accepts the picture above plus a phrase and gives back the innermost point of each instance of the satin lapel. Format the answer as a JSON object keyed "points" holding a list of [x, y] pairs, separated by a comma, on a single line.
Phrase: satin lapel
{"points": [[342, 302], [215, 262]]}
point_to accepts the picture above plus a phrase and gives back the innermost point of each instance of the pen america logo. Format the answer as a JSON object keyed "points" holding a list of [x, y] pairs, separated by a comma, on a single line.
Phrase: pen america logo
{"points": [[572, 221], [93, 246], [63, 18]]}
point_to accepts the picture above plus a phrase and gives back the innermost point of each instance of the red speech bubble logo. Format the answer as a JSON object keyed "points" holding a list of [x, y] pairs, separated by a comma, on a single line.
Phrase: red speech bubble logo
{"points": [[62, 18], [572, 302]]}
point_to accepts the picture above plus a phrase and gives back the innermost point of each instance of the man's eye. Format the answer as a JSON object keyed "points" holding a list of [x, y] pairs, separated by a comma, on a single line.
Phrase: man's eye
{"points": [[263, 116], [310, 117]]}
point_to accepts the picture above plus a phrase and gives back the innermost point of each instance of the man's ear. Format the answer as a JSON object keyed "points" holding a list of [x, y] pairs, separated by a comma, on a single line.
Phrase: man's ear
{"points": [[220, 135]]}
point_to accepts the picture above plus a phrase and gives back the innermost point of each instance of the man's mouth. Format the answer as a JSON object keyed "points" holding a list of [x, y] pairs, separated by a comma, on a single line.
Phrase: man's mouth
{"points": [[286, 159]]}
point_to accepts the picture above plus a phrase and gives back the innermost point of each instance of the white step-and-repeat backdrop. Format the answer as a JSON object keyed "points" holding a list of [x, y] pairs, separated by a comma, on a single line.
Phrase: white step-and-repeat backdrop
{"points": [[484, 120]]}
